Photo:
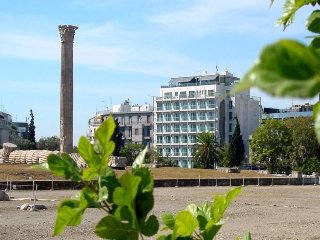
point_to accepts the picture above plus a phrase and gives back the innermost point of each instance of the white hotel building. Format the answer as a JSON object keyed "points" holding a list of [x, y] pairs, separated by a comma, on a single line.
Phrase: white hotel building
{"points": [[202, 103]]}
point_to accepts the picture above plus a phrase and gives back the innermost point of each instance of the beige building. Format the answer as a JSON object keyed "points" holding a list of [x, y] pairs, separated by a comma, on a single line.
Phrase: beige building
{"points": [[135, 122]]}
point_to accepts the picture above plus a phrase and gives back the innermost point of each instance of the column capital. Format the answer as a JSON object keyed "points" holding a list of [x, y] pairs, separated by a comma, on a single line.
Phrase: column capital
{"points": [[67, 32]]}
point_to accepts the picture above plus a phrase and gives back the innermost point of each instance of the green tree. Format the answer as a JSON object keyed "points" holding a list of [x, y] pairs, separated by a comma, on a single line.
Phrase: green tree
{"points": [[304, 143], [31, 131], [206, 154], [131, 151], [236, 148], [22, 144], [117, 138], [49, 143], [224, 156], [270, 146]]}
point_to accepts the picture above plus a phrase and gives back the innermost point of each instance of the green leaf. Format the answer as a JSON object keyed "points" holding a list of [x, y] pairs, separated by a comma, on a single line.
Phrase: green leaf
{"points": [[89, 174], [313, 22], [147, 183], [286, 68], [69, 214], [107, 184], [87, 153], [316, 116], [123, 213], [211, 230], [168, 220], [88, 198], [105, 131], [64, 166], [125, 194], [110, 228], [221, 202], [144, 204], [185, 225], [150, 227], [204, 215], [247, 236], [138, 162], [193, 209]]}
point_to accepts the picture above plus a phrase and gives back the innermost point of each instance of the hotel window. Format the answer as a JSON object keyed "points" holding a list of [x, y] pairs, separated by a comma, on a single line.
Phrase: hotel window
{"points": [[184, 151], [184, 139], [230, 116], [210, 127], [230, 104], [210, 93], [193, 105], [202, 127], [148, 118], [176, 151], [130, 132], [138, 119], [184, 128], [193, 127], [192, 94], [202, 116], [168, 151], [159, 128], [176, 117], [193, 139], [176, 128], [159, 106], [212, 104], [167, 128], [202, 104], [167, 139], [193, 116], [210, 115], [184, 117], [184, 105], [159, 150], [230, 127], [159, 139], [168, 95], [130, 120], [167, 117], [176, 106], [167, 106], [183, 94], [176, 139]]}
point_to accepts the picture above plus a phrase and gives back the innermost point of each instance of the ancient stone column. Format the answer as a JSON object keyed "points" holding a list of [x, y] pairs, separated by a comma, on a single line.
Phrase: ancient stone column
{"points": [[66, 88]]}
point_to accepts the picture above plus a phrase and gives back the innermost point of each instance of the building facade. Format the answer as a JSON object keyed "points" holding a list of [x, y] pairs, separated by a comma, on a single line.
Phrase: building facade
{"points": [[135, 122], [7, 128], [303, 110], [188, 106]]}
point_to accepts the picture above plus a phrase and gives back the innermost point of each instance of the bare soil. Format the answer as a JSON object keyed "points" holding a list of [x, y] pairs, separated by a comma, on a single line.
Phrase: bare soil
{"points": [[275, 212]]}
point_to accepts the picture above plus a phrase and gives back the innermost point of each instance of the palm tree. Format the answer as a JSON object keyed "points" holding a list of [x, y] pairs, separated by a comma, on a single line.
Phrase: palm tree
{"points": [[205, 154]]}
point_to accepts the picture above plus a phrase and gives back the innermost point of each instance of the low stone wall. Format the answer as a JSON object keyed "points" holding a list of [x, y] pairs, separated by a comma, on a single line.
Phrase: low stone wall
{"points": [[64, 184]]}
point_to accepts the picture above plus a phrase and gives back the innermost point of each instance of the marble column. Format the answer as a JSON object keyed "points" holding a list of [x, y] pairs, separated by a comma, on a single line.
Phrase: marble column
{"points": [[66, 88]]}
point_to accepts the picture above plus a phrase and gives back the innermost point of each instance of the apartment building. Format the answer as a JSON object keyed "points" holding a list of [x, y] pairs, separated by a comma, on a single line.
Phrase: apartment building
{"points": [[190, 105], [135, 122], [7, 128]]}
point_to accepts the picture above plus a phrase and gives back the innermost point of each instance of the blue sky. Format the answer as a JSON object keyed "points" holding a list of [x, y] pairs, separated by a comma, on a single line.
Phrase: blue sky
{"points": [[126, 49]]}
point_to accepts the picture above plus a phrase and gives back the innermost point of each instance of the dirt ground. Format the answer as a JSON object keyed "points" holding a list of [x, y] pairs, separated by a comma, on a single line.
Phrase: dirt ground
{"points": [[275, 212]]}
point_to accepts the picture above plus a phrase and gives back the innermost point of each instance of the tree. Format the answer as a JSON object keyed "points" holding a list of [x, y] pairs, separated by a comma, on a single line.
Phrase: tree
{"points": [[270, 146], [236, 149], [131, 151], [49, 143], [224, 156], [22, 144], [117, 139], [31, 132], [206, 153], [304, 143]]}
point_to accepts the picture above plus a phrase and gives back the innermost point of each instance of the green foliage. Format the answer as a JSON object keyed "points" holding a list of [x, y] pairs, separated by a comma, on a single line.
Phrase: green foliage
{"points": [[31, 132], [224, 156], [22, 144], [304, 143], [206, 154], [199, 221], [49, 143], [288, 67], [270, 145], [236, 148], [131, 151], [128, 199], [310, 165]]}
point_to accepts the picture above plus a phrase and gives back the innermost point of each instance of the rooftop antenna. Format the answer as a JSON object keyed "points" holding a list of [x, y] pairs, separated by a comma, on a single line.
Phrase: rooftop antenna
{"points": [[217, 68]]}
